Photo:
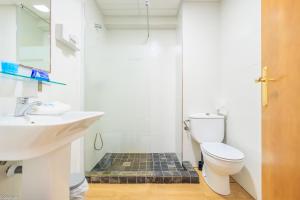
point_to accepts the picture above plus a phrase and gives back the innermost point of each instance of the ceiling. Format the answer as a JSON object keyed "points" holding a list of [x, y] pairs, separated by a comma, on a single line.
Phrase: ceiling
{"points": [[132, 14], [138, 8]]}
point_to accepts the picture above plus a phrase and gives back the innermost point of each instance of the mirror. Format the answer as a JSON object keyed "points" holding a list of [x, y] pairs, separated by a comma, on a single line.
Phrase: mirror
{"points": [[25, 33]]}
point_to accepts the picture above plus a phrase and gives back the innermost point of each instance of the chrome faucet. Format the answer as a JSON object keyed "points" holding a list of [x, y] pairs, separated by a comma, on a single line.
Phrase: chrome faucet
{"points": [[23, 106]]}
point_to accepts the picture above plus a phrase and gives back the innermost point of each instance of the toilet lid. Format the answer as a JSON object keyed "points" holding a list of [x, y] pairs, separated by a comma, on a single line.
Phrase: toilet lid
{"points": [[222, 151]]}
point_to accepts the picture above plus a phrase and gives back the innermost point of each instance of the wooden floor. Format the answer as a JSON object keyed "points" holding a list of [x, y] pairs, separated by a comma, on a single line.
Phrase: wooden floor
{"points": [[163, 192]]}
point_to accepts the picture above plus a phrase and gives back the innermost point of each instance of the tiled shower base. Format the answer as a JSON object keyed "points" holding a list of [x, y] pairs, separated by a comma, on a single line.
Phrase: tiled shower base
{"points": [[132, 168]]}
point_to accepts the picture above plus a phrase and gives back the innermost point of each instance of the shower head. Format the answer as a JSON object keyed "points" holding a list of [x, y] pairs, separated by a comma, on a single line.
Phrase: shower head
{"points": [[147, 2]]}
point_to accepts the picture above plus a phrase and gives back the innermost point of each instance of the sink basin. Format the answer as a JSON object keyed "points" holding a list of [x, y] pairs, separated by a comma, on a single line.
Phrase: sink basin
{"points": [[23, 138], [44, 145]]}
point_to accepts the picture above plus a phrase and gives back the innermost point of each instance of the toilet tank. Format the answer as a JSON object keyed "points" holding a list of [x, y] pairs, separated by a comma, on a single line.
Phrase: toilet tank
{"points": [[207, 127]]}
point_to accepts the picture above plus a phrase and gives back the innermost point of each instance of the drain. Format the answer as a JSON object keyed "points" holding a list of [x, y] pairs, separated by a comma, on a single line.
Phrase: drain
{"points": [[126, 164]]}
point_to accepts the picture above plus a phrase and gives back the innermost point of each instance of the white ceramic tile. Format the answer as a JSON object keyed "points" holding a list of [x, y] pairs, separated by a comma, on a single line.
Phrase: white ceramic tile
{"points": [[134, 82]]}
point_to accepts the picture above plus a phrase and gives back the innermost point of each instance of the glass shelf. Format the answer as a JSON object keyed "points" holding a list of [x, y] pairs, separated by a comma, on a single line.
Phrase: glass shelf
{"points": [[23, 77]]}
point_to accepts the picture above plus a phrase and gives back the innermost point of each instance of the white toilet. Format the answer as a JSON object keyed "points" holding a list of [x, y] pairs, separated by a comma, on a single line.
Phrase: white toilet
{"points": [[220, 160]]}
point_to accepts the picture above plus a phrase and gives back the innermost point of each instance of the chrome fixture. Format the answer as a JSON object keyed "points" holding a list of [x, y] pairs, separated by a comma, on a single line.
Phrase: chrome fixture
{"points": [[98, 26], [186, 125], [95, 142], [23, 106], [13, 170], [147, 2]]}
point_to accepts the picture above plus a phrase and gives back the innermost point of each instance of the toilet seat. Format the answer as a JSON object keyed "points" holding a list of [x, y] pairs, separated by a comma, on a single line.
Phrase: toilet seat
{"points": [[223, 152]]}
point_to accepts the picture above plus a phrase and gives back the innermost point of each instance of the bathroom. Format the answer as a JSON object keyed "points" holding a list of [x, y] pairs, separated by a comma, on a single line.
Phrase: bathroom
{"points": [[119, 99]]}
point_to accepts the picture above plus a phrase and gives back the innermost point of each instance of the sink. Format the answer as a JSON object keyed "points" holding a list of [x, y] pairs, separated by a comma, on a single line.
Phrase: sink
{"points": [[44, 145], [23, 138]]}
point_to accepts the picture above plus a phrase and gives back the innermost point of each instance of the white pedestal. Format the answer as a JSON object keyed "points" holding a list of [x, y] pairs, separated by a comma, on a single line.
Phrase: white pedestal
{"points": [[47, 177], [220, 184]]}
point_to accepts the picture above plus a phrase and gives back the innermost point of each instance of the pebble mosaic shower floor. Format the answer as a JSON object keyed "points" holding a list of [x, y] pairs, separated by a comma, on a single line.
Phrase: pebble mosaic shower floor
{"points": [[132, 168]]}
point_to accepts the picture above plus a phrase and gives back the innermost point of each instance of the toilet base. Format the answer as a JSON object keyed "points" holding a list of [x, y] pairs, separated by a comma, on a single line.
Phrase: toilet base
{"points": [[220, 184]]}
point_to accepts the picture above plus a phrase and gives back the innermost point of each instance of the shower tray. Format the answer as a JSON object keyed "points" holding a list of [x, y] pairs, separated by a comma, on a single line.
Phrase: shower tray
{"points": [[133, 168]]}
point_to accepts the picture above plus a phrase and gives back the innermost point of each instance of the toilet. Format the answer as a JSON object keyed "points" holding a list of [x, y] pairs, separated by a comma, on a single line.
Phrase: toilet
{"points": [[220, 160]]}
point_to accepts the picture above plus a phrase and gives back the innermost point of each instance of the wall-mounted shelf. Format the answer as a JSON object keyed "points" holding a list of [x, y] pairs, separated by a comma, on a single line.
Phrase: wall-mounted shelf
{"points": [[63, 35], [28, 78]]}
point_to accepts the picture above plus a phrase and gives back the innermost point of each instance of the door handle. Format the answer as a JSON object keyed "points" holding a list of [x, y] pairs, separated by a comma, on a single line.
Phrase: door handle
{"points": [[264, 80]]}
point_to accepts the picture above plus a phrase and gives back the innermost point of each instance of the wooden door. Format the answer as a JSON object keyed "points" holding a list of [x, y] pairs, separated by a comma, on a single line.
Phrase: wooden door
{"points": [[281, 118]]}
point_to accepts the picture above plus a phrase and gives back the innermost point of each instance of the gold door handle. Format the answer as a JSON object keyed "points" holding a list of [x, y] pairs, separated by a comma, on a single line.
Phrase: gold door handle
{"points": [[264, 80]]}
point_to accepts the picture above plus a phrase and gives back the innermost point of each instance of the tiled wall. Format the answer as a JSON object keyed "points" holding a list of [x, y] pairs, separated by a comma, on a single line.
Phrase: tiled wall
{"points": [[201, 65], [134, 83]]}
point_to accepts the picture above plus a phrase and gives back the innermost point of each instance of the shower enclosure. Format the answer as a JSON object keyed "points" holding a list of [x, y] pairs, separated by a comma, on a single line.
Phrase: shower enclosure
{"points": [[136, 80]]}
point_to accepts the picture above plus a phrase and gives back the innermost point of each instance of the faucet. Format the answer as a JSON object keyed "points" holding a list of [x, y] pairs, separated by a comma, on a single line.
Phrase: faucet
{"points": [[23, 106]]}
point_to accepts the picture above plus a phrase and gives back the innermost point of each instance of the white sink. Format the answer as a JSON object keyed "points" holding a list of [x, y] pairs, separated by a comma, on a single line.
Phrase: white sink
{"points": [[25, 138], [43, 143]]}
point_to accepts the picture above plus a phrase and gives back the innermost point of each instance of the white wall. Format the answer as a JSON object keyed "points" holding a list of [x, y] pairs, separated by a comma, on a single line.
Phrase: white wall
{"points": [[66, 67], [8, 87], [8, 32], [201, 66], [240, 62], [8, 43], [134, 83], [95, 45], [221, 59], [179, 86]]}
